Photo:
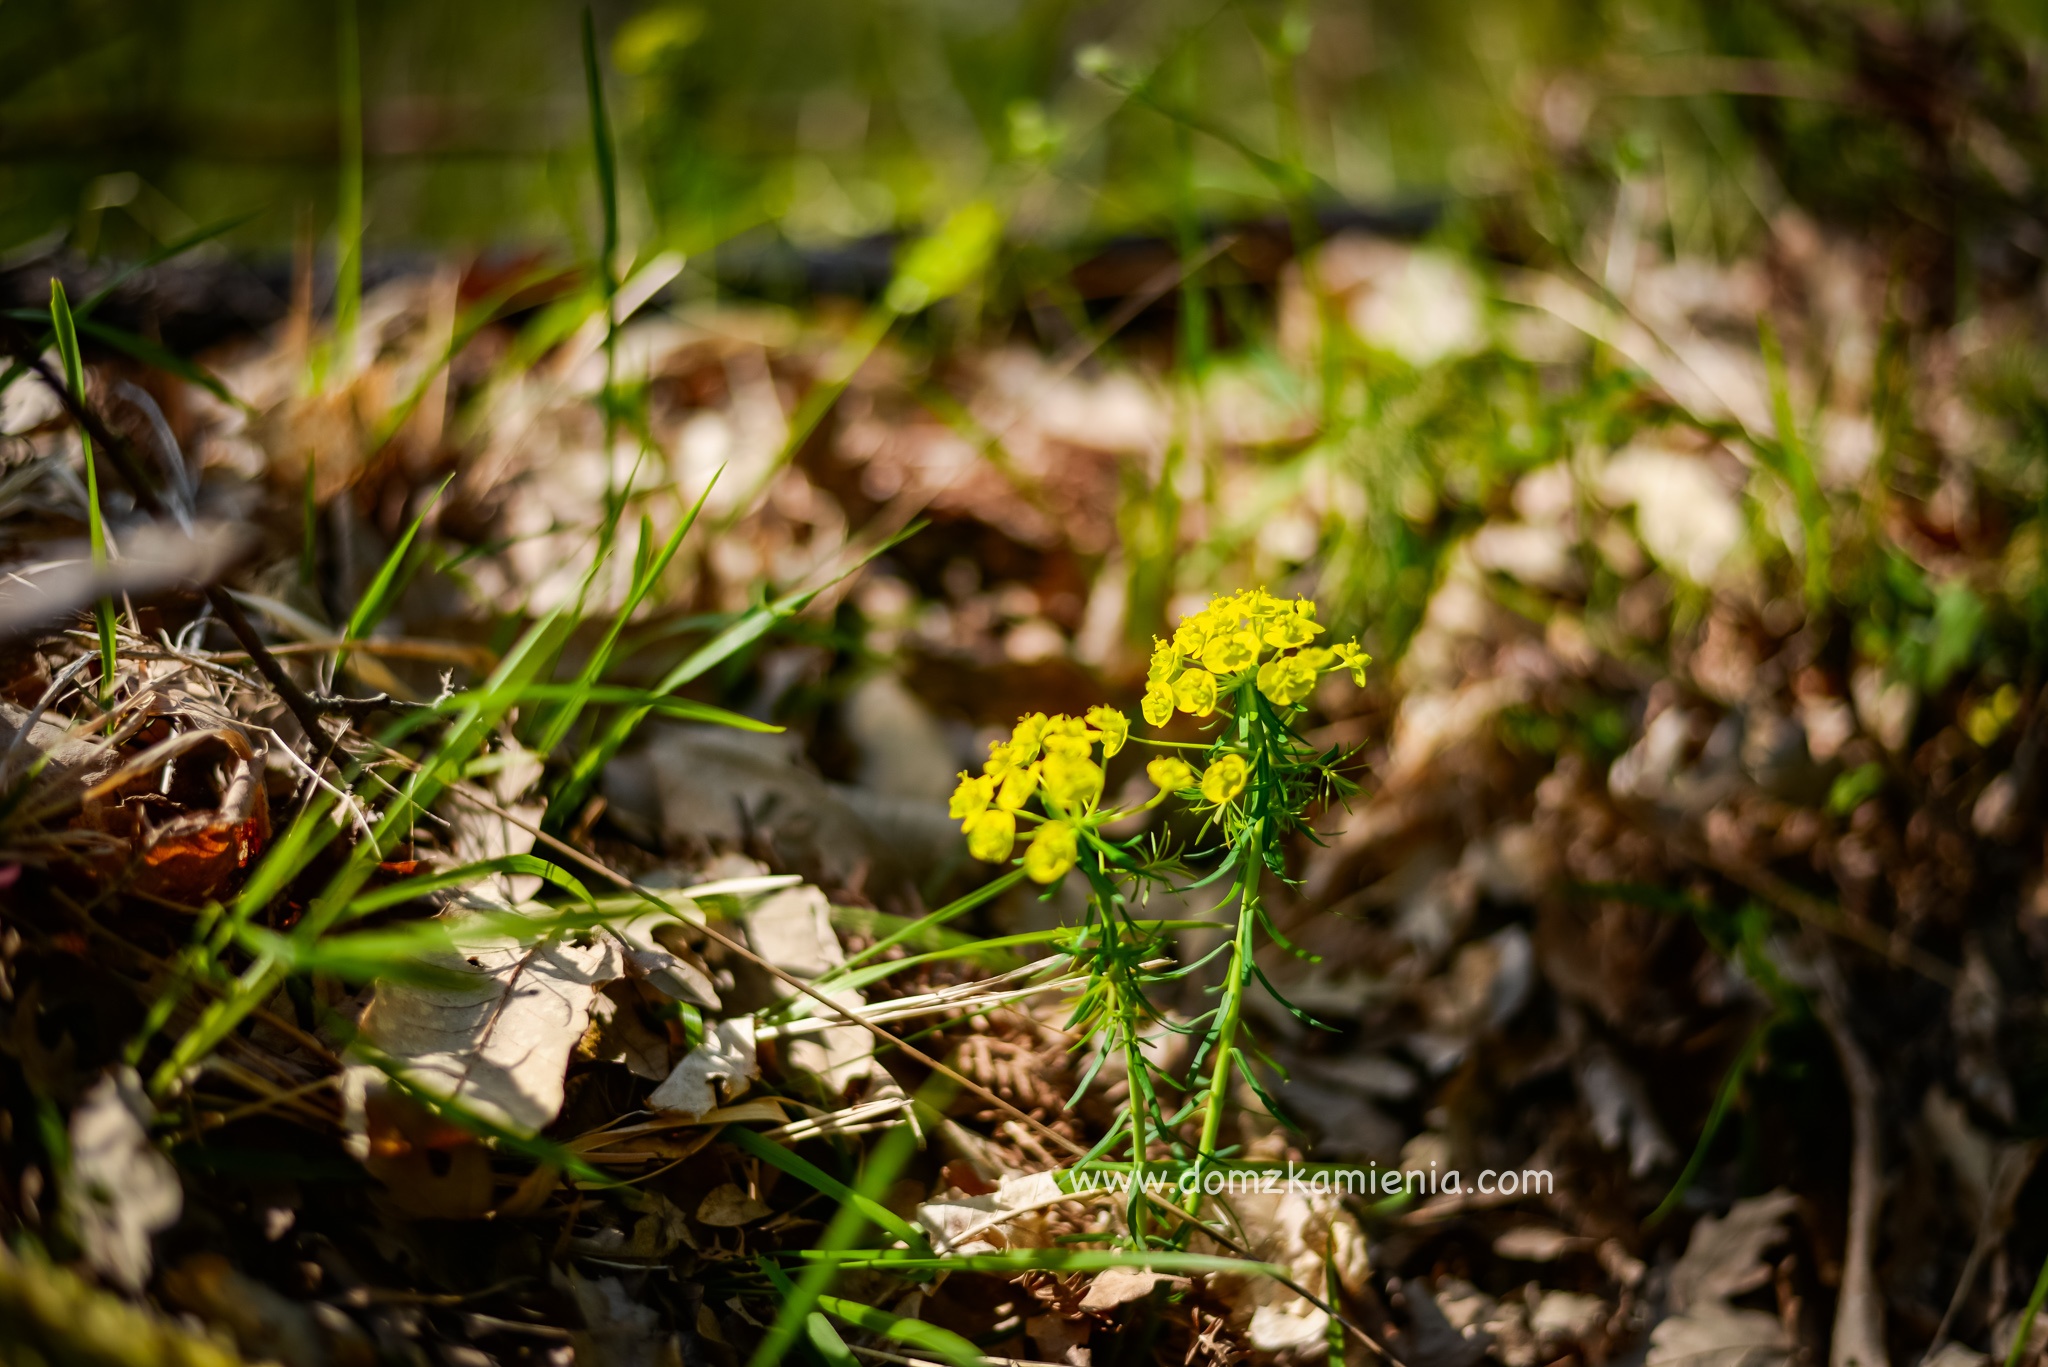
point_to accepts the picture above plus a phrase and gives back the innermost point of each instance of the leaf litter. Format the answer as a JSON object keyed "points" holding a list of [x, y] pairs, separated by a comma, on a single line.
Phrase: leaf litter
{"points": [[1702, 762]]}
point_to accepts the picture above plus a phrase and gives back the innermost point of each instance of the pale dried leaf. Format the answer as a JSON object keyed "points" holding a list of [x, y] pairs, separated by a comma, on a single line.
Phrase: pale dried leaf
{"points": [[119, 1189], [725, 1057], [500, 1046], [1725, 1256], [1716, 1336], [728, 1206]]}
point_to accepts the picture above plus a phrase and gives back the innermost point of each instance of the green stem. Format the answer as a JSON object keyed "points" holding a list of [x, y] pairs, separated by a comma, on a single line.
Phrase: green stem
{"points": [[2025, 1329], [1223, 1057], [348, 275]]}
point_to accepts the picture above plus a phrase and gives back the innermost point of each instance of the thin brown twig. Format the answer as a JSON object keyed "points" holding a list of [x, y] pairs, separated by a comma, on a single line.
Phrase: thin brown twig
{"points": [[1858, 1339]]}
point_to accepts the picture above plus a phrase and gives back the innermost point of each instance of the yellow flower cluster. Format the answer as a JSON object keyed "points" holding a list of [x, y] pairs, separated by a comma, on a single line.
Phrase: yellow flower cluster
{"points": [[1055, 758], [1214, 649], [1251, 635]]}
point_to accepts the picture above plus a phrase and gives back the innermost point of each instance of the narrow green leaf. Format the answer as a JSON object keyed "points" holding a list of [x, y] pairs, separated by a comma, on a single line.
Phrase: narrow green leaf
{"points": [[847, 1225], [915, 1333], [379, 597], [164, 359], [649, 566], [773, 1154], [406, 889], [348, 274], [64, 326]]}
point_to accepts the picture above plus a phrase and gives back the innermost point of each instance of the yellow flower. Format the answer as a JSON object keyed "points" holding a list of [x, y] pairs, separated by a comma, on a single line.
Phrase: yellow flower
{"points": [[1169, 775], [1074, 783], [1291, 630], [1351, 657], [971, 798], [1287, 679], [1051, 851], [1068, 736], [990, 834], [1158, 704], [1225, 779], [1231, 653], [1195, 692], [1114, 726], [1016, 789], [1025, 737], [1002, 760], [1192, 635], [1165, 662]]}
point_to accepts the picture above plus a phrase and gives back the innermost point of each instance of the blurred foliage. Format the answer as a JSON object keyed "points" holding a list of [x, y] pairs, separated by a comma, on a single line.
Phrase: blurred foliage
{"points": [[126, 121]]}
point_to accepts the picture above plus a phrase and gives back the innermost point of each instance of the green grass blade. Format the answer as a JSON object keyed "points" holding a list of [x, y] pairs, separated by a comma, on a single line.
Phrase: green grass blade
{"points": [[607, 161], [2023, 1332], [471, 321], [913, 1333], [348, 274], [811, 1175], [854, 1214], [62, 323], [406, 889], [378, 598], [647, 572], [931, 921], [751, 627], [164, 359], [198, 237], [84, 308], [465, 734], [1731, 1086]]}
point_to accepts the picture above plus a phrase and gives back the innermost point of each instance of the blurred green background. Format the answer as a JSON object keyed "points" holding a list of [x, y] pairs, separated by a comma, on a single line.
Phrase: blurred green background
{"points": [[125, 122]]}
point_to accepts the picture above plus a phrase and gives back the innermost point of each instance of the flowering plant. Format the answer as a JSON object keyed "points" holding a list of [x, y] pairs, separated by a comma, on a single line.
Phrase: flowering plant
{"points": [[1250, 662]]}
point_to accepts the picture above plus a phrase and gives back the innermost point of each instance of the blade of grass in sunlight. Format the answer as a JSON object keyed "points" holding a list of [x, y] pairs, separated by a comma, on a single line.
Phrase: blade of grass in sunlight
{"points": [[406, 889], [389, 581], [648, 568], [751, 627], [465, 733], [857, 1209], [606, 158], [62, 324], [911, 1333], [348, 273]]}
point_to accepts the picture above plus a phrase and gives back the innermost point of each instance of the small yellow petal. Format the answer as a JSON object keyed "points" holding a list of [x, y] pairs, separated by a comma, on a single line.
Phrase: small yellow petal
{"points": [[1169, 775], [1074, 783], [1025, 738], [1231, 653], [1051, 852], [1225, 779], [1165, 662], [1195, 692], [991, 835], [971, 797], [1157, 707], [1017, 787], [1114, 726]]}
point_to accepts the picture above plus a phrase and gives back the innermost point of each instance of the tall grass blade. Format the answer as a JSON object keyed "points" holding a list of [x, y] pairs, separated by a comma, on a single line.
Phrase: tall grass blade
{"points": [[378, 598], [853, 1217], [66, 330], [348, 274], [83, 309], [648, 567], [751, 627], [608, 242]]}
